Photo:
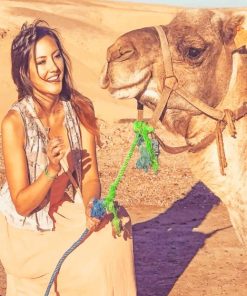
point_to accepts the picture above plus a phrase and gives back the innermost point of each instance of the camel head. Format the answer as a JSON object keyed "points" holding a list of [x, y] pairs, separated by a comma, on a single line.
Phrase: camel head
{"points": [[200, 44]]}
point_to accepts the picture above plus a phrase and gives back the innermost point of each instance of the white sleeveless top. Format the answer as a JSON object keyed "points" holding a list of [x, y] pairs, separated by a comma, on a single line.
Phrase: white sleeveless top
{"points": [[35, 148]]}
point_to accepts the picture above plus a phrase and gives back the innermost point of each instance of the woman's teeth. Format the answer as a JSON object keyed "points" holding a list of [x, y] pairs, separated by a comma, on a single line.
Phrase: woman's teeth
{"points": [[53, 78]]}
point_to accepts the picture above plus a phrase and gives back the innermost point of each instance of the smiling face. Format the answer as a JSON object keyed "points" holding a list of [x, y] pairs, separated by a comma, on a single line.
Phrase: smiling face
{"points": [[46, 67]]}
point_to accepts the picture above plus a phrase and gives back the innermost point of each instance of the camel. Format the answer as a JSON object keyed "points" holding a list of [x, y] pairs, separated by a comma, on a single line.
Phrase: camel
{"points": [[194, 78]]}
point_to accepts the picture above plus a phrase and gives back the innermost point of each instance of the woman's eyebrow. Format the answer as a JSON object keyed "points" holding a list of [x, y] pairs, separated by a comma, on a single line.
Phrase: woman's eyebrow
{"points": [[40, 57]]}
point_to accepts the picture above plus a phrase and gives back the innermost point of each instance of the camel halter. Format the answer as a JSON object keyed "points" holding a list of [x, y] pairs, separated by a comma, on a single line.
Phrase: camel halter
{"points": [[225, 117]]}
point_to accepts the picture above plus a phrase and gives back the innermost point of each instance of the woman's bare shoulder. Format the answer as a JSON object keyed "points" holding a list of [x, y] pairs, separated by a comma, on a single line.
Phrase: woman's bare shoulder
{"points": [[12, 123]]}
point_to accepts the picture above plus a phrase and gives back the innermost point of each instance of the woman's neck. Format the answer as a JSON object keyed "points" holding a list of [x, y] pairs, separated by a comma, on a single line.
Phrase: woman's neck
{"points": [[46, 104]]}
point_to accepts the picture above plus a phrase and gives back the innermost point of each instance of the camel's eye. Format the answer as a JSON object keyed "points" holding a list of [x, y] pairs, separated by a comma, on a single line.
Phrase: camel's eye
{"points": [[194, 53]]}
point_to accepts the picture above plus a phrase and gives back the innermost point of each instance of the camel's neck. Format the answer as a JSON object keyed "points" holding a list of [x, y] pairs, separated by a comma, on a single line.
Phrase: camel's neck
{"points": [[200, 126], [237, 92]]}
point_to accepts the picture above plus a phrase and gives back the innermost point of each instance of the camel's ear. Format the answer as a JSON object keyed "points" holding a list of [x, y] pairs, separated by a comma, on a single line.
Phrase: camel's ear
{"points": [[231, 26]]}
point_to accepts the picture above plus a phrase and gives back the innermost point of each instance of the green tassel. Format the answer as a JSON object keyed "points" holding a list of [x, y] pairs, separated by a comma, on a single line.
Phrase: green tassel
{"points": [[109, 199], [142, 130]]}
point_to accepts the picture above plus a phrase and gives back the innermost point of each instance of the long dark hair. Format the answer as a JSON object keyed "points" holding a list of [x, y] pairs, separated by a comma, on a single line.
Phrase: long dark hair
{"points": [[21, 48]]}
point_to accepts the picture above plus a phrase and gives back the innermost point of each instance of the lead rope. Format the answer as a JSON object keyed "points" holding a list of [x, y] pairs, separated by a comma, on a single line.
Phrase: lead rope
{"points": [[101, 206]]}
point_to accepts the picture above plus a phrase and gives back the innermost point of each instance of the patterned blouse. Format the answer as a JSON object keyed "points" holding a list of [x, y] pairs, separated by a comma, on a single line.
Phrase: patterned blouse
{"points": [[36, 141]]}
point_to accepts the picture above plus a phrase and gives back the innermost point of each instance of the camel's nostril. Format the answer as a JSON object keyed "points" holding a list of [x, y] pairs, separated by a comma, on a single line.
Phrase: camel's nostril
{"points": [[104, 80]]}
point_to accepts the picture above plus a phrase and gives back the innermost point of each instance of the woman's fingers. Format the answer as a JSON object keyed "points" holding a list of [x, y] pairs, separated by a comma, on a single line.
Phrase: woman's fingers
{"points": [[54, 143], [92, 223], [96, 221], [55, 150]]}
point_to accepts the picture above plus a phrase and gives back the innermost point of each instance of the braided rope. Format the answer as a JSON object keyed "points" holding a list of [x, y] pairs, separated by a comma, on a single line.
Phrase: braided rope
{"points": [[109, 199], [141, 130], [60, 262]]}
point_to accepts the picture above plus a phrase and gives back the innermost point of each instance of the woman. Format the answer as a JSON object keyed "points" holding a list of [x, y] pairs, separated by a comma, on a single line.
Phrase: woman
{"points": [[47, 135]]}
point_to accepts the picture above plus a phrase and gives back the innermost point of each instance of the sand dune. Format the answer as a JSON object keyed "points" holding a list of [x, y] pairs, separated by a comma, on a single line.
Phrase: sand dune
{"points": [[87, 28]]}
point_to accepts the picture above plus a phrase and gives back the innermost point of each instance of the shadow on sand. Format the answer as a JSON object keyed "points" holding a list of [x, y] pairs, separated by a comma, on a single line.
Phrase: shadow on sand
{"points": [[165, 245]]}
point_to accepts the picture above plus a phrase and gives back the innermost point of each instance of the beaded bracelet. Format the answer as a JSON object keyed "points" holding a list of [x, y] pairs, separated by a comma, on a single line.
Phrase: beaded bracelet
{"points": [[48, 175]]}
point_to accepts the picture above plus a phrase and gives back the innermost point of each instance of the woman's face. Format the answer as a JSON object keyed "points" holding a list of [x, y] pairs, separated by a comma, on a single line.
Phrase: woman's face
{"points": [[46, 67]]}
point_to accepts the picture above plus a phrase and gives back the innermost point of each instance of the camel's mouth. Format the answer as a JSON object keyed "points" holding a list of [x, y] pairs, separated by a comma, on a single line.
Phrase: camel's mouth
{"points": [[124, 93], [126, 90]]}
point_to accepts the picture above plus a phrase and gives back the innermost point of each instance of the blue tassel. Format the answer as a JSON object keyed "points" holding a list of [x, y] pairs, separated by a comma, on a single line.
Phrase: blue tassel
{"points": [[98, 209], [144, 162]]}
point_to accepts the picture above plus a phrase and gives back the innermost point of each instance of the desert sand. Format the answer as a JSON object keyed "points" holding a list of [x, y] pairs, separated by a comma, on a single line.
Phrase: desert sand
{"points": [[183, 240], [87, 28]]}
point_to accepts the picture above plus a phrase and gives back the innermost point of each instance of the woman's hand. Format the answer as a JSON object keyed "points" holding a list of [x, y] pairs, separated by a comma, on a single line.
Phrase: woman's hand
{"points": [[55, 152], [92, 223]]}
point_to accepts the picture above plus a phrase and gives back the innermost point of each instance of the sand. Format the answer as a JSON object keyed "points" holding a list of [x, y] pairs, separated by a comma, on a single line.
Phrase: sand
{"points": [[184, 243]]}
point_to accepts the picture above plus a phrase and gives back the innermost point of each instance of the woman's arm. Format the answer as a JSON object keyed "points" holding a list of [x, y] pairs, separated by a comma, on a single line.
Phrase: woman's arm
{"points": [[91, 187], [25, 196]]}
